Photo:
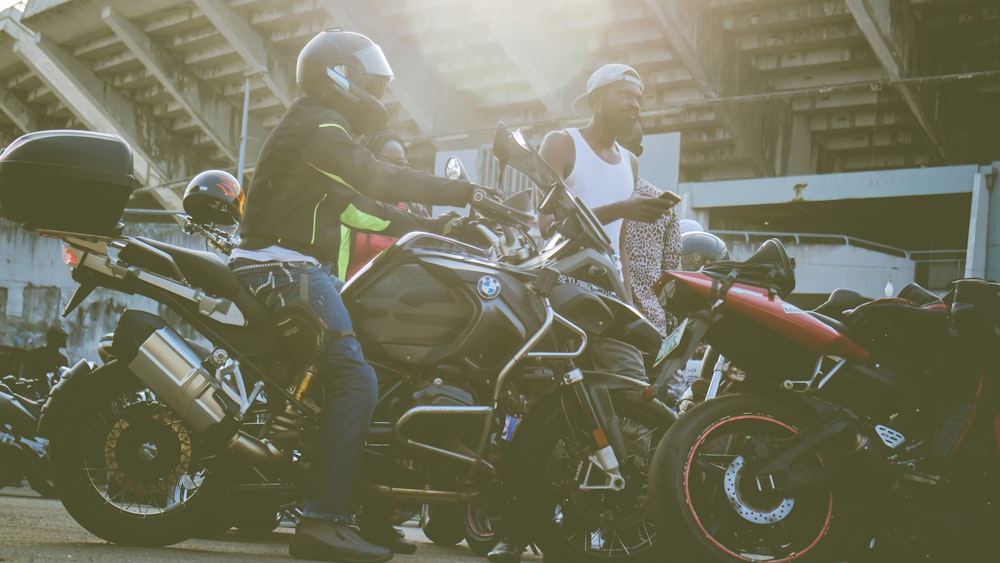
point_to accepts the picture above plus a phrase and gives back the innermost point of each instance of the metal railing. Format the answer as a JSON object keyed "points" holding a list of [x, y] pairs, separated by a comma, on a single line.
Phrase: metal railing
{"points": [[947, 255]]}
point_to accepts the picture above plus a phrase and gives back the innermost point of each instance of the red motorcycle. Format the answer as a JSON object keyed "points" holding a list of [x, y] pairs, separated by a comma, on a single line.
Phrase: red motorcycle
{"points": [[860, 430]]}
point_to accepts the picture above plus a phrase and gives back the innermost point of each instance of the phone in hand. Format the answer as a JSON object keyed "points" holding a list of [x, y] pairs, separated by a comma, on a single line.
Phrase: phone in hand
{"points": [[670, 196]]}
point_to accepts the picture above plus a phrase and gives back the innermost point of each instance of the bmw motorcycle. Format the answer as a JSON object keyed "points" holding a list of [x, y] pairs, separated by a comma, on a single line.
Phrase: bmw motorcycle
{"points": [[481, 394], [870, 436]]}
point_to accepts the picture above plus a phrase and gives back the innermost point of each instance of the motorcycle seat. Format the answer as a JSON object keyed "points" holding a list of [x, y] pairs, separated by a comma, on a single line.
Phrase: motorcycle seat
{"points": [[200, 269], [832, 322], [839, 301]]}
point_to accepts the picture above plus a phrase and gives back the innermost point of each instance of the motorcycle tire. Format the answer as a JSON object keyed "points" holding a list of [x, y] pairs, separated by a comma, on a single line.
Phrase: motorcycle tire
{"points": [[591, 526], [479, 533], [127, 468], [443, 524], [696, 491], [43, 485]]}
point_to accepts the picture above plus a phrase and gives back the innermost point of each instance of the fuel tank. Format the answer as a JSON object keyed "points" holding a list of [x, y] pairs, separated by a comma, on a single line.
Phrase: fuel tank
{"points": [[432, 301]]}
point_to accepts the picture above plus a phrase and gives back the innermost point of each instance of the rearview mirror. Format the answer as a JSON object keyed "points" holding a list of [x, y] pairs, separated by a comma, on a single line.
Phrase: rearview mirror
{"points": [[453, 169]]}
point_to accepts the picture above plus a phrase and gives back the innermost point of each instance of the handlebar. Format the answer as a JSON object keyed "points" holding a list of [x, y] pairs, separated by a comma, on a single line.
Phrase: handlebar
{"points": [[485, 204]]}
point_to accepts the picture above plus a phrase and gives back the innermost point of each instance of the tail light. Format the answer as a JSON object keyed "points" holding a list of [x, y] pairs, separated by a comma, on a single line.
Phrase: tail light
{"points": [[71, 256]]}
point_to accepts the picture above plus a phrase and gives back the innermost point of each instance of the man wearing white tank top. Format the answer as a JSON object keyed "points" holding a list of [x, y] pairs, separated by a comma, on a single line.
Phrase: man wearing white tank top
{"points": [[602, 174], [593, 164]]}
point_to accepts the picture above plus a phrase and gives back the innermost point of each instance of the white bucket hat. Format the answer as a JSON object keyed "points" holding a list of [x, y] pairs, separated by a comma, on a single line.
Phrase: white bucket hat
{"points": [[607, 74]]}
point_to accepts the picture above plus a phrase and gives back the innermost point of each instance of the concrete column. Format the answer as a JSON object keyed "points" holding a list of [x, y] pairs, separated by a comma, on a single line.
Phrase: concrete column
{"points": [[981, 236]]}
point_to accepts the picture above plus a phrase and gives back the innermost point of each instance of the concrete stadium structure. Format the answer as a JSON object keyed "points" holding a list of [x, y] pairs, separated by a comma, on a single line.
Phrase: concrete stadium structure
{"points": [[866, 122]]}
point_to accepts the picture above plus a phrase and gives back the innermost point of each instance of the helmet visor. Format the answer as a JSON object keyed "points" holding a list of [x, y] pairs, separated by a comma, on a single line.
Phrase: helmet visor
{"points": [[374, 62]]}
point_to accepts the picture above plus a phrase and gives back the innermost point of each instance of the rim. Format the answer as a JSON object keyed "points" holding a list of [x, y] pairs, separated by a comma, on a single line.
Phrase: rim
{"points": [[734, 515], [138, 456], [479, 523], [607, 524]]}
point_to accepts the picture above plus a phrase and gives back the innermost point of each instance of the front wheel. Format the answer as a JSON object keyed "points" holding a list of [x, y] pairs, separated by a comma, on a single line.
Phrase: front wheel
{"points": [[701, 488], [128, 469], [572, 523]]}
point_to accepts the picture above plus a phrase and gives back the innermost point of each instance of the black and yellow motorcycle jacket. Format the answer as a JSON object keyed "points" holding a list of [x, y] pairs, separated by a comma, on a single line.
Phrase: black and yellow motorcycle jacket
{"points": [[314, 182]]}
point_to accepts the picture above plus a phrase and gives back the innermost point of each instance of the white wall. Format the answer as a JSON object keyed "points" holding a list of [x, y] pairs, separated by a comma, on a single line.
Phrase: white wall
{"points": [[822, 268], [38, 285]]}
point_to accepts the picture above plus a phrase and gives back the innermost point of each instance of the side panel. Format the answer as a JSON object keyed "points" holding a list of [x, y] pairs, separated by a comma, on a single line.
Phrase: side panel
{"points": [[786, 319], [431, 308]]}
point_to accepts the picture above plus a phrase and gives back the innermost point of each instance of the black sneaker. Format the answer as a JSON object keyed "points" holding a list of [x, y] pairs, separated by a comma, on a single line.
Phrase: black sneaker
{"points": [[386, 535], [506, 551], [326, 540]]}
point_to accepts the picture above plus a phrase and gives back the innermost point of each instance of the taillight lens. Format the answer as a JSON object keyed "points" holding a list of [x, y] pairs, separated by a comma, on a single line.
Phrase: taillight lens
{"points": [[71, 256]]}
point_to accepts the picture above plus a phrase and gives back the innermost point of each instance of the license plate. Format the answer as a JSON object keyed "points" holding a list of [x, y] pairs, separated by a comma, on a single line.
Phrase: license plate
{"points": [[670, 343]]}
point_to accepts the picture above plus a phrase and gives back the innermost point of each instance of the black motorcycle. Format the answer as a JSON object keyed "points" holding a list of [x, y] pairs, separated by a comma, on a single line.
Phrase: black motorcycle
{"points": [[481, 396], [23, 451], [861, 430]]}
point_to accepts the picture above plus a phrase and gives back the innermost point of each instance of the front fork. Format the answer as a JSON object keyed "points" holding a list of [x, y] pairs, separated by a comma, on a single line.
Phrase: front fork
{"points": [[600, 422]]}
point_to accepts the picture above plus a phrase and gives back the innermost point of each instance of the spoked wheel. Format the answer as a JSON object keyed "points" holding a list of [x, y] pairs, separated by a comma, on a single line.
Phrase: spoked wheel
{"points": [[701, 482], [128, 469], [573, 523]]}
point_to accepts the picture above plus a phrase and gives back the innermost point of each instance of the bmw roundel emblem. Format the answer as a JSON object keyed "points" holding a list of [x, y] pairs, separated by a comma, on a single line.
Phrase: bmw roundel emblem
{"points": [[488, 287]]}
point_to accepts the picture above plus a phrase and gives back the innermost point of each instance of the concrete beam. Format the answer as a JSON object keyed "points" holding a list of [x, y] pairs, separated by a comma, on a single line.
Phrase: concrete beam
{"points": [[890, 28], [24, 117], [157, 155], [436, 106], [220, 120], [719, 69], [252, 47], [828, 187]]}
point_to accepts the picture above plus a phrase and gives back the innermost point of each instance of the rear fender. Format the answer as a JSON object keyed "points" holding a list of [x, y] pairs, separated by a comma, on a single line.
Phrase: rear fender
{"points": [[57, 405]]}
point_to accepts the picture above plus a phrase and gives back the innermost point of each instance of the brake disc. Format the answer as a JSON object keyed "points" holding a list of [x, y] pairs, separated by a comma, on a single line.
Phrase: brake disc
{"points": [[147, 453], [746, 510]]}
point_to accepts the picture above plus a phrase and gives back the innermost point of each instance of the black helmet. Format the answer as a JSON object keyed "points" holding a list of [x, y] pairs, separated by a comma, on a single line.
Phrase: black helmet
{"points": [[699, 248], [56, 334], [214, 196], [348, 72]]}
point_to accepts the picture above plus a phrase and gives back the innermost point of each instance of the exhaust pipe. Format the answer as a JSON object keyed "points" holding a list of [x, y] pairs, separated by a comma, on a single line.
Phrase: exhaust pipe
{"points": [[175, 373]]}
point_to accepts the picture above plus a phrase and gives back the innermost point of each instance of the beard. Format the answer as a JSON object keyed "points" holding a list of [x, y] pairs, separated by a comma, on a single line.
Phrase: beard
{"points": [[620, 122]]}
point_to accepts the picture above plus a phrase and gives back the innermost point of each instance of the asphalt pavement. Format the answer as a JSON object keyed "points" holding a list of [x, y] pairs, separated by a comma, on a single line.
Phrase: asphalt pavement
{"points": [[36, 529]]}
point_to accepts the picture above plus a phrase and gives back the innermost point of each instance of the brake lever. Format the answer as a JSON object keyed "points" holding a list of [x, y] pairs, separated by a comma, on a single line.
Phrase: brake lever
{"points": [[483, 201]]}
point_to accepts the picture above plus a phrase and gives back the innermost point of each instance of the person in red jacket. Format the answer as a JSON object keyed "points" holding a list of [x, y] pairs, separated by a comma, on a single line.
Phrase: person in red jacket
{"points": [[365, 246]]}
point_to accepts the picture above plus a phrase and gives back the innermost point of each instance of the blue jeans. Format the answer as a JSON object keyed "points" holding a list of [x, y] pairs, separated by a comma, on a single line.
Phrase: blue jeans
{"points": [[614, 356], [349, 381]]}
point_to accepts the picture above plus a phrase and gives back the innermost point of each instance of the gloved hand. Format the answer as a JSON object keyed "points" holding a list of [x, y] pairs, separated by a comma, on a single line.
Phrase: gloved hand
{"points": [[684, 405], [447, 222]]}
